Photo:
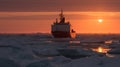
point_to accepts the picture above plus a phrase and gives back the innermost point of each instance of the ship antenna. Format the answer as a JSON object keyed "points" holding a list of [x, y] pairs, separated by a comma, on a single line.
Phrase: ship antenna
{"points": [[62, 18], [61, 15]]}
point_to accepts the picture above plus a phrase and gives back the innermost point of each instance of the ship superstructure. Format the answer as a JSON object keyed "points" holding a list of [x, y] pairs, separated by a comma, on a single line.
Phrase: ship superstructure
{"points": [[62, 29]]}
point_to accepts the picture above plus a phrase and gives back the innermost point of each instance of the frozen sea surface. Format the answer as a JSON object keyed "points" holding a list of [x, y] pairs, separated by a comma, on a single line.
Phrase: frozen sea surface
{"points": [[33, 50]]}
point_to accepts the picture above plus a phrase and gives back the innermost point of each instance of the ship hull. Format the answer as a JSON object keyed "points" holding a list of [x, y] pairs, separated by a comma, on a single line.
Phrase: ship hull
{"points": [[59, 34]]}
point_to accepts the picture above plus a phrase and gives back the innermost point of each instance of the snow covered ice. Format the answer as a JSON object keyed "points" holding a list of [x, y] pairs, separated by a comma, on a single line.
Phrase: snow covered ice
{"points": [[30, 50]]}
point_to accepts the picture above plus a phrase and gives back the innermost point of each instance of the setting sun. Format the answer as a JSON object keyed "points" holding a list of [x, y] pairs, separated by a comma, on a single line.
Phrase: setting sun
{"points": [[100, 20]]}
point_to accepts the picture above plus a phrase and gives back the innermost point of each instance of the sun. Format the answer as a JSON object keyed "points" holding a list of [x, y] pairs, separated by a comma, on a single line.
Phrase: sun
{"points": [[100, 20]]}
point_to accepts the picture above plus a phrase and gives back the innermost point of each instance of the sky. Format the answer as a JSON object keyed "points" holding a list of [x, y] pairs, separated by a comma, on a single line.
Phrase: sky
{"points": [[31, 16]]}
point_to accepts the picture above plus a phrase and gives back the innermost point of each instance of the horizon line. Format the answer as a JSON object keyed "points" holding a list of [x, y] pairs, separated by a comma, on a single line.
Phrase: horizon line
{"points": [[50, 33]]}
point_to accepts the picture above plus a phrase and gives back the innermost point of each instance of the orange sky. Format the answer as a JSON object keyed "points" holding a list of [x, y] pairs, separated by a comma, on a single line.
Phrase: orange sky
{"points": [[83, 22]]}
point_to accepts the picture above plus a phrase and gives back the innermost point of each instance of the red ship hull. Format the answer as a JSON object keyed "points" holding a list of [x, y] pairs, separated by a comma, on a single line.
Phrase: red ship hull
{"points": [[59, 34]]}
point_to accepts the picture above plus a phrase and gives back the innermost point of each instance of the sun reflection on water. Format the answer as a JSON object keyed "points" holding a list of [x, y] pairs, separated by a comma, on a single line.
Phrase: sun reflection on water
{"points": [[101, 49]]}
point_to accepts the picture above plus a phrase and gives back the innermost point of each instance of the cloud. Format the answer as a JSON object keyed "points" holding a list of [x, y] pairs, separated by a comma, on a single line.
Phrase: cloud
{"points": [[53, 15], [54, 5]]}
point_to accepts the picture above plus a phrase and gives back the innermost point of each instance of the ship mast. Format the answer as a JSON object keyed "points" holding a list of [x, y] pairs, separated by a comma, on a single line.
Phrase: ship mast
{"points": [[62, 18]]}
